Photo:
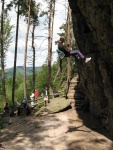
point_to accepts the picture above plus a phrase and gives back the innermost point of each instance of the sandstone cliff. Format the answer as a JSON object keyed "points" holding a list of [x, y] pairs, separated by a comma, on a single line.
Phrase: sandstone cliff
{"points": [[93, 31]]}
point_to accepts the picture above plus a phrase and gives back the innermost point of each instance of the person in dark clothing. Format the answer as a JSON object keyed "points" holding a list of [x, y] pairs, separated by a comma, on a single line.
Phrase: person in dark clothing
{"points": [[26, 108], [8, 112], [25, 103], [6, 108], [64, 48], [55, 93]]}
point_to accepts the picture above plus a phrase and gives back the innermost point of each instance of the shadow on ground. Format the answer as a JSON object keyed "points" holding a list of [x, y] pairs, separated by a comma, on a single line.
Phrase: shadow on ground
{"points": [[93, 123]]}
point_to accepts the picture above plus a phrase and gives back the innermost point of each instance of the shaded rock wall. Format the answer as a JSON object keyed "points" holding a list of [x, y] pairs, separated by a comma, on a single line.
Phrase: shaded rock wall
{"points": [[93, 31]]}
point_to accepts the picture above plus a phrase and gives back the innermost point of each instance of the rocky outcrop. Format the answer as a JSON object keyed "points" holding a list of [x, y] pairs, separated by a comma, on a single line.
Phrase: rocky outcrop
{"points": [[76, 95], [93, 31], [71, 91]]}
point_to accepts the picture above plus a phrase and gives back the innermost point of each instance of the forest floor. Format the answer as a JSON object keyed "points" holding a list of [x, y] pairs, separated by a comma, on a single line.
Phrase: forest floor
{"points": [[66, 130]]}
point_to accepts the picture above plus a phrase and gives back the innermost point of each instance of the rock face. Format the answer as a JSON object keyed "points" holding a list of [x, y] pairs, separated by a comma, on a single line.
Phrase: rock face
{"points": [[76, 95], [93, 31], [71, 91]]}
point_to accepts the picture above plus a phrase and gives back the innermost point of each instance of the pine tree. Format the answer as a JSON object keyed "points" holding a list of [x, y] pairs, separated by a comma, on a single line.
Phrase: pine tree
{"points": [[5, 40]]}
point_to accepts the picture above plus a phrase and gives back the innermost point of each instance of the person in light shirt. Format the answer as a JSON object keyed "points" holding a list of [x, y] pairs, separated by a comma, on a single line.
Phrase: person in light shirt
{"points": [[46, 96]]}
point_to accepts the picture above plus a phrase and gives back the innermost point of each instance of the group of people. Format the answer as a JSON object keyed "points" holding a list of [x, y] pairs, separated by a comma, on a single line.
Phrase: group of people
{"points": [[24, 108], [20, 108], [34, 95], [45, 95]]}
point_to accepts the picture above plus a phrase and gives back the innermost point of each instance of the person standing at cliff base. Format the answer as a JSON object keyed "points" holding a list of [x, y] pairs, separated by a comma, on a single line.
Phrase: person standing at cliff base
{"points": [[46, 96], [36, 94]]}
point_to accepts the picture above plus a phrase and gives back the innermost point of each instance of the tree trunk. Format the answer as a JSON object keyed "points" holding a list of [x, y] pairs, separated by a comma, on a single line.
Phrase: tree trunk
{"points": [[33, 47], [25, 53], [49, 46], [68, 41], [50, 38], [52, 18], [2, 55], [15, 57]]}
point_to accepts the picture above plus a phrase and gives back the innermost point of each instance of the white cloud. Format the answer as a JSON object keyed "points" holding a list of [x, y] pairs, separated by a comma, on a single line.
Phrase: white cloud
{"points": [[40, 43]]}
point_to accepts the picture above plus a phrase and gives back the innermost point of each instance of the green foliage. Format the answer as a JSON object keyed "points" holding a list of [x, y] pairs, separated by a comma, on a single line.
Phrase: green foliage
{"points": [[34, 13], [7, 33], [19, 87], [7, 37], [1, 98], [34, 10], [18, 91], [30, 86], [43, 13], [42, 79], [24, 7], [1, 105], [40, 104], [57, 81], [42, 74], [9, 89]]}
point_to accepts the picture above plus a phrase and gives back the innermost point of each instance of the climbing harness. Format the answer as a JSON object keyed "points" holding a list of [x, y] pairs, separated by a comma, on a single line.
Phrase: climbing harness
{"points": [[60, 54]]}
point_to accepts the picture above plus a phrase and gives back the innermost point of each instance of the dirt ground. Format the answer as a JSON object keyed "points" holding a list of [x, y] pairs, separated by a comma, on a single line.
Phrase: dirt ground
{"points": [[67, 130]]}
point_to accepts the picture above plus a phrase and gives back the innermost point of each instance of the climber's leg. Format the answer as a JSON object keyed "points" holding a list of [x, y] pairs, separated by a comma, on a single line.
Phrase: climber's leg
{"points": [[72, 52], [78, 53]]}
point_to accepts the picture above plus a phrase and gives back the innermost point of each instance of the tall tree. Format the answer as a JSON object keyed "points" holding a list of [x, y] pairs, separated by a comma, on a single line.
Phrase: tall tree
{"points": [[49, 44], [5, 40], [50, 22], [51, 13], [15, 55], [22, 9], [33, 47], [25, 52], [2, 54], [68, 41], [34, 21], [16, 4]]}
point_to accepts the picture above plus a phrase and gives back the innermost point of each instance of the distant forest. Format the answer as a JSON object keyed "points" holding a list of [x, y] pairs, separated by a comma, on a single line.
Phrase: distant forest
{"points": [[29, 71]]}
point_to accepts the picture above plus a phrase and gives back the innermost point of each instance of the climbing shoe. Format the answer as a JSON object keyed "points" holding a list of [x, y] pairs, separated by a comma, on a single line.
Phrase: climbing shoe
{"points": [[87, 59]]}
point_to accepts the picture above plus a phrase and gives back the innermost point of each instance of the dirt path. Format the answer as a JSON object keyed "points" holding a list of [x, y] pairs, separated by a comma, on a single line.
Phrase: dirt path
{"points": [[68, 130]]}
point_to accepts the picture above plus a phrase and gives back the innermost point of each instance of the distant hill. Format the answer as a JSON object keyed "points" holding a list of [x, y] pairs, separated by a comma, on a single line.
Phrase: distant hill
{"points": [[20, 69]]}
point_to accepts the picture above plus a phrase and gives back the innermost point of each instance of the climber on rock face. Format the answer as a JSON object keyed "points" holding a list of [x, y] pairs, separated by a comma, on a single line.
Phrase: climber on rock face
{"points": [[63, 49]]}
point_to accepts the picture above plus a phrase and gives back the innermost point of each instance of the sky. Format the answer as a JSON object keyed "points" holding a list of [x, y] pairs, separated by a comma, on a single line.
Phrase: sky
{"points": [[40, 43]]}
